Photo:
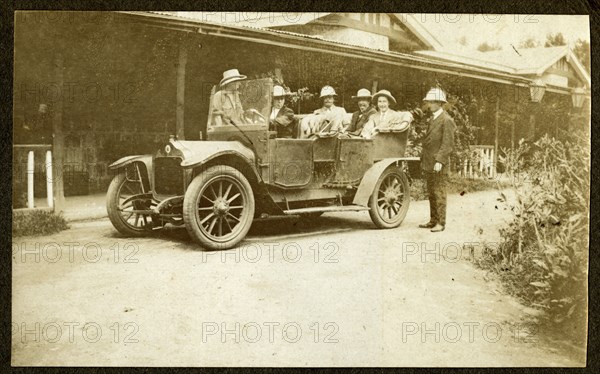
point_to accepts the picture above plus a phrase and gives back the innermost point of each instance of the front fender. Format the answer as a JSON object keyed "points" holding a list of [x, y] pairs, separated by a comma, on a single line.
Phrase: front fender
{"points": [[124, 161], [144, 160], [201, 159], [370, 178]]}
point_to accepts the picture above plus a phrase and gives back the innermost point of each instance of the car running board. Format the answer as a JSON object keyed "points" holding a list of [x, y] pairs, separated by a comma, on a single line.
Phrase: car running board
{"points": [[334, 208]]}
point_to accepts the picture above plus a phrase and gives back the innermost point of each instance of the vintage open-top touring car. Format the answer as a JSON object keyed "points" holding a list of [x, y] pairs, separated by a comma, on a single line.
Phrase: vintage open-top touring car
{"points": [[217, 187]]}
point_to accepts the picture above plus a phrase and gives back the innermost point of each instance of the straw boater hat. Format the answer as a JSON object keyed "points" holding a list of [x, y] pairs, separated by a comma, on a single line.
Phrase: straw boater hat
{"points": [[279, 91], [327, 91], [363, 93], [231, 75], [385, 93]]}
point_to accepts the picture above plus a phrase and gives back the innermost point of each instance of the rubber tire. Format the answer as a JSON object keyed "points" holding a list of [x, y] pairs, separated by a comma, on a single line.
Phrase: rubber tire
{"points": [[373, 207], [112, 202], [190, 204]]}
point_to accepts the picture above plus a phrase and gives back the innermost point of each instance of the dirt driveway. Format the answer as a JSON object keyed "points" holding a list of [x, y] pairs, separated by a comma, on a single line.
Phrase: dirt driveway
{"points": [[335, 291]]}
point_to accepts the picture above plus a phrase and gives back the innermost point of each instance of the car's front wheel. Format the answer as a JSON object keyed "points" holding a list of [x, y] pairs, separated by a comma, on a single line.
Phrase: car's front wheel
{"points": [[389, 202], [218, 207], [128, 205]]}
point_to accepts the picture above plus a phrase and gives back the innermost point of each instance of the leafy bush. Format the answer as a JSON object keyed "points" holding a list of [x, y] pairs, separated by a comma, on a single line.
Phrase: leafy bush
{"points": [[418, 190], [456, 185], [544, 256], [37, 222]]}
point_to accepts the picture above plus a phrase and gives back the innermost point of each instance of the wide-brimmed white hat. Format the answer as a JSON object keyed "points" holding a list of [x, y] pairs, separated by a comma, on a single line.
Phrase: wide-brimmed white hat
{"points": [[279, 91], [385, 93], [231, 75], [327, 91], [363, 93], [435, 94]]}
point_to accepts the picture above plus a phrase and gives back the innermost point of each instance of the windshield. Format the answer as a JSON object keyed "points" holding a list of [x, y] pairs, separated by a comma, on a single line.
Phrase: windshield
{"points": [[246, 102]]}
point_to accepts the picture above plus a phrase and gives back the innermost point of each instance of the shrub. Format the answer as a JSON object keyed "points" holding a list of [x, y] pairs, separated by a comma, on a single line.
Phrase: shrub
{"points": [[37, 222], [544, 256], [418, 190], [456, 185], [19, 195]]}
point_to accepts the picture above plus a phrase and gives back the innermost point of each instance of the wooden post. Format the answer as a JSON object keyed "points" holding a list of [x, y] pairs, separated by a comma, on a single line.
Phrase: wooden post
{"points": [[496, 120], [49, 186], [30, 179], [182, 61], [374, 87], [58, 138], [512, 135], [278, 74], [531, 135]]}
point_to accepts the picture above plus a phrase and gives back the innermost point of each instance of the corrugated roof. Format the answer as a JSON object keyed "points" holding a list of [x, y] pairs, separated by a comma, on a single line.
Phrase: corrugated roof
{"points": [[247, 25], [268, 20], [418, 28], [308, 42], [524, 61], [198, 20], [254, 19]]}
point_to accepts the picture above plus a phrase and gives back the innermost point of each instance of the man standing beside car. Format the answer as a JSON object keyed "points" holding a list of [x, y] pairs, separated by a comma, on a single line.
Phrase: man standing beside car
{"points": [[438, 144]]}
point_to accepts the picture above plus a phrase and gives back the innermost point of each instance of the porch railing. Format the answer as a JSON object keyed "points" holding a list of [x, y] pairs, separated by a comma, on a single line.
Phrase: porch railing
{"points": [[480, 163], [31, 151]]}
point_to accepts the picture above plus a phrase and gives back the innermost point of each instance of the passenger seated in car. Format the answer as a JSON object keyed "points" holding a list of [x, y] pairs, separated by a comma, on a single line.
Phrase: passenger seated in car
{"points": [[328, 118], [282, 118], [385, 118], [364, 112]]}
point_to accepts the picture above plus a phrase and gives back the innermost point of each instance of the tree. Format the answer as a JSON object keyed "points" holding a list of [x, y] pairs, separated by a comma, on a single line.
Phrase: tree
{"points": [[582, 52], [485, 47], [529, 43], [554, 40]]}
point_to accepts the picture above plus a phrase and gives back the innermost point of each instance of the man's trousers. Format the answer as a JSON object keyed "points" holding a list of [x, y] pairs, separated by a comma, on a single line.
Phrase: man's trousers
{"points": [[436, 188]]}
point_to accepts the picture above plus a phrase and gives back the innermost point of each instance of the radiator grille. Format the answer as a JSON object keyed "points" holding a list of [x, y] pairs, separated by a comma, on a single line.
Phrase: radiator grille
{"points": [[168, 176]]}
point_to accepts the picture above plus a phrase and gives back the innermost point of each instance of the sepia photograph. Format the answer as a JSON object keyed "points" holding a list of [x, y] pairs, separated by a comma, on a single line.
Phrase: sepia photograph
{"points": [[300, 189]]}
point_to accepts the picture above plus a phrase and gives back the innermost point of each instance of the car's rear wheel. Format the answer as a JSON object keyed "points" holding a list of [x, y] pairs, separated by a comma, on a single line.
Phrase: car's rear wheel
{"points": [[127, 205], [389, 202], [218, 207]]}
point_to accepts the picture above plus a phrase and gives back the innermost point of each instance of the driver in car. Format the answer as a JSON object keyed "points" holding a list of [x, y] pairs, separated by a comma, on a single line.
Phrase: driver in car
{"points": [[227, 106]]}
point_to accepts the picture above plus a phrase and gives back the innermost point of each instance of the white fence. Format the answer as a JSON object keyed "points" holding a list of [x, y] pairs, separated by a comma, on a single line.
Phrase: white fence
{"points": [[481, 162]]}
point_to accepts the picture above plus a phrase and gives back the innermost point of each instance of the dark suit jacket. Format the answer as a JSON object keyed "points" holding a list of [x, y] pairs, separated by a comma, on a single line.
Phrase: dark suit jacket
{"points": [[359, 119], [438, 142], [285, 124]]}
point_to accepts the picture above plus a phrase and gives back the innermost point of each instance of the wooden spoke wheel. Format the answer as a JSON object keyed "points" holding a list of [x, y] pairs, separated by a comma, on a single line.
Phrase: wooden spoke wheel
{"points": [[218, 207], [128, 205], [389, 202]]}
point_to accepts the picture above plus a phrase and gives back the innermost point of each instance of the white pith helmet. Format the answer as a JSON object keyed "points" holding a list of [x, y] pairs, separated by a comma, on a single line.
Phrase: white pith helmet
{"points": [[279, 91], [435, 94], [327, 91]]}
